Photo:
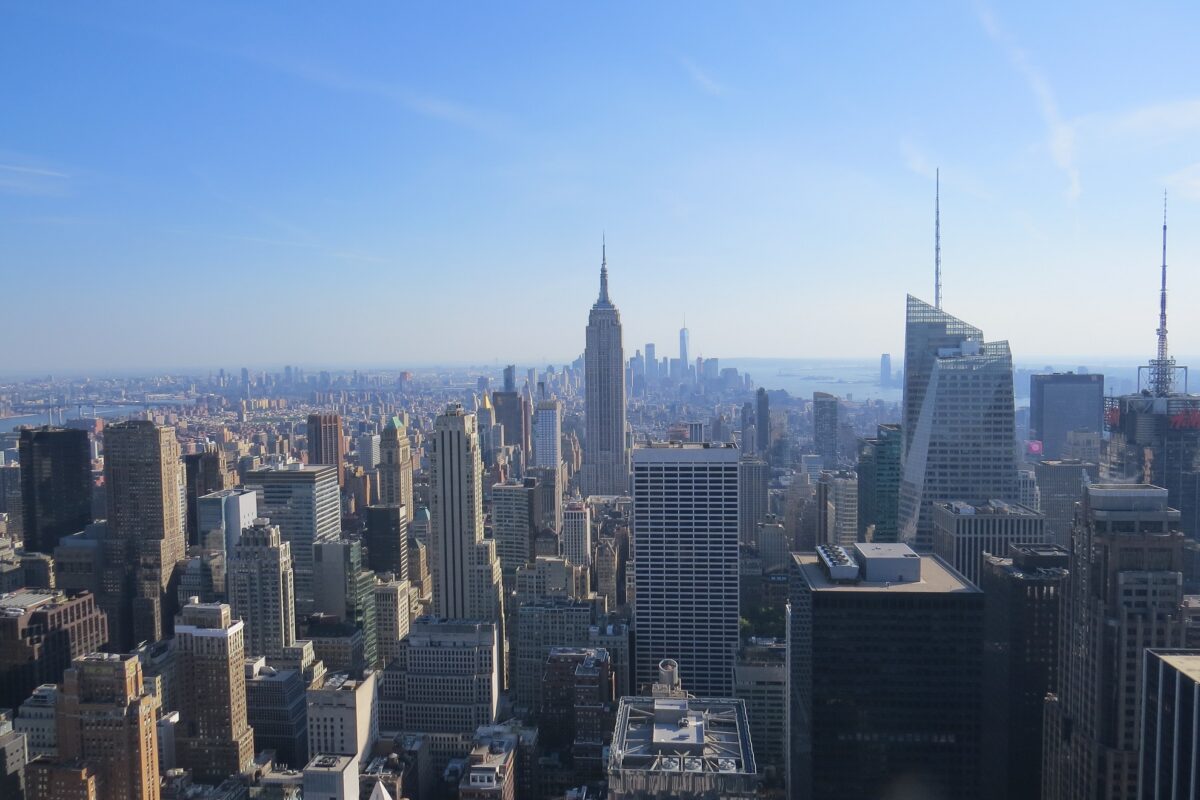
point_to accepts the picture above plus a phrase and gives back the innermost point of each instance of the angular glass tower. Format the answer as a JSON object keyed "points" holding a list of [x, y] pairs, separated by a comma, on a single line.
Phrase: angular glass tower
{"points": [[959, 429]]}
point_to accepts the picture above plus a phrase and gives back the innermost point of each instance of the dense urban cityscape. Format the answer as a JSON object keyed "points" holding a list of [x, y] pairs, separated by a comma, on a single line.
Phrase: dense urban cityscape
{"points": [[635, 577], [612, 401]]}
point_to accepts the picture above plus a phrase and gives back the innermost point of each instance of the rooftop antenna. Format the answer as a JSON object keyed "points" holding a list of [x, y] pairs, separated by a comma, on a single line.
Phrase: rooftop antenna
{"points": [[937, 238], [1162, 369]]}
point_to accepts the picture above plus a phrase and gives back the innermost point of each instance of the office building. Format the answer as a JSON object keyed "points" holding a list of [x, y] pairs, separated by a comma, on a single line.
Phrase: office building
{"points": [[547, 432], [512, 413], [578, 708], [106, 720], [762, 422], [606, 449], [331, 777], [344, 589], [35, 718], [368, 446], [303, 500], [541, 625], [879, 485], [1124, 595], [516, 510], [754, 481], [445, 683], [959, 424], [963, 532], [1170, 752], [1022, 602], [682, 747], [549, 497], [277, 711], [393, 617], [49, 779], [326, 444], [343, 716], [395, 465], [490, 772], [885, 371], [41, 631], [837, 507], [685, 543], [204, 473], [260, 587], [465, 568], [760, 680], [1061, 485], [214, 739], [885, 657], [825, 428], [143, 482], [56, 485], [221, 516], [1061, 403], [387, 539], [577, 533]]}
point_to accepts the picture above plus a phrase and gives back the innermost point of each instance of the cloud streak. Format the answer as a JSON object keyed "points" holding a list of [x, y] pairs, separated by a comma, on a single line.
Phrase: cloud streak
{"points": [[1060, 134], [32, 180], [424, 105], [705, 82]]}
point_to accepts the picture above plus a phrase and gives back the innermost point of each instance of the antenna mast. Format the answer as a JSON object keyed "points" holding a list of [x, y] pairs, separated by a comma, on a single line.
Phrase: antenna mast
{"points": [[1162, 369], [937, 239]]}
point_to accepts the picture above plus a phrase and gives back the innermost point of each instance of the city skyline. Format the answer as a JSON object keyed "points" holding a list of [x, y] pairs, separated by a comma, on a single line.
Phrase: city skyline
{"points": [[730, 151]]}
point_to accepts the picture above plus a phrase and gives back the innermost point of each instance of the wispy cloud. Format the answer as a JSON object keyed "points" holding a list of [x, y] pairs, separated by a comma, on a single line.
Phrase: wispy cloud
{"points": [[425, 105], [701, 78], [25, 177], [1060, 133], [1186, 181]]}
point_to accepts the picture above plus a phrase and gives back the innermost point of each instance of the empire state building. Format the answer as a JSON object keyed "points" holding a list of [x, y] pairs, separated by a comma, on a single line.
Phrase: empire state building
{"points": [[606, 451]]}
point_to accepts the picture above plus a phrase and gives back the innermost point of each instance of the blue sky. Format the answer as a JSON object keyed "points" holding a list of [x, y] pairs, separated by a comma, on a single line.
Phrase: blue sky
{"points": [[201, 184]]}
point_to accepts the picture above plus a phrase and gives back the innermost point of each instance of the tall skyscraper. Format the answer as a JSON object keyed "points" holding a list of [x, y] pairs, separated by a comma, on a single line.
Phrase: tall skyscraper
{"points": [[395, 465], [577, 534], [143, 479], [606, 452], [510, 378], [515, 514], [204, 473], [213, 739], [685, 534], [1124, 595], [547, 432], [754, 480], [684, 361], [106, 720], [513, 414], [325, 442], [885, 371], [762, 422], [825, 428], [344, 588], [56, 485], [837, 508], [959, 424], [1061, 403], [368, 450], [222, 516], [885, 660], [259, 584], [1061, 484], [466, 571], [303, 501], [879, 484], [387, 540], [1022, 603]]}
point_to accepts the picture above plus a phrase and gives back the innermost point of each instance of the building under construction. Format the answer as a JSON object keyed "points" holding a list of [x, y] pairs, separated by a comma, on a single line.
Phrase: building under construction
{"points": [[1154, 435]]}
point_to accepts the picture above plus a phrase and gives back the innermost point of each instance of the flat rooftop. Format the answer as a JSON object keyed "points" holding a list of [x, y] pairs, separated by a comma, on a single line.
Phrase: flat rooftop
{"points": [[1186, 663], [682, 735], [935, 576]]}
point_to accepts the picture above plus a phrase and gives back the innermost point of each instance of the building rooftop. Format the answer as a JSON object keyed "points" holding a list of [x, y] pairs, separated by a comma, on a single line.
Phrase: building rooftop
{"points": [[1187, 663], [681, 735], [24, 600], [990, 508], [935, 575]]}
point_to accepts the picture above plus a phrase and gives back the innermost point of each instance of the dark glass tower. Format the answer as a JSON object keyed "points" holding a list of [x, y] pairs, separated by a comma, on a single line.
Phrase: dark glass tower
{"points": [[56, 485]]}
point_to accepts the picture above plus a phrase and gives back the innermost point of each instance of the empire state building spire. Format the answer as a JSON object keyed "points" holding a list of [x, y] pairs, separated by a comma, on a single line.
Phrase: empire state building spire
{"points": [[603, 300]]}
